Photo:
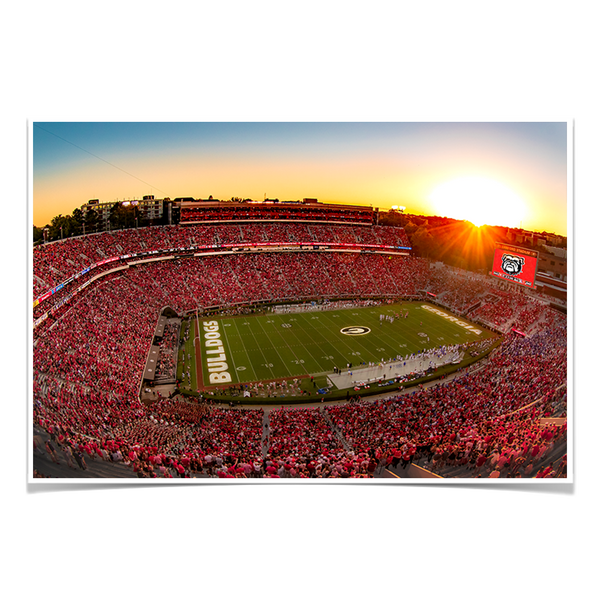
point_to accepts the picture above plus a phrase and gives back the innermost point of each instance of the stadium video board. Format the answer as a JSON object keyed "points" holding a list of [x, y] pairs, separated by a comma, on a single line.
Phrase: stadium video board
{"points": [[515, 264]]}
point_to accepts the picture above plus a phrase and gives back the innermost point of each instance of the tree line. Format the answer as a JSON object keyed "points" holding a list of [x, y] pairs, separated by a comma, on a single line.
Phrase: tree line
{"points": [[457, 243], [81, 222]]}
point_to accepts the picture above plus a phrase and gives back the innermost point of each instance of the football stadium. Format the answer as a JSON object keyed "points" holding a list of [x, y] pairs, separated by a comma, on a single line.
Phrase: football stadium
{"points": [[265, 340]]}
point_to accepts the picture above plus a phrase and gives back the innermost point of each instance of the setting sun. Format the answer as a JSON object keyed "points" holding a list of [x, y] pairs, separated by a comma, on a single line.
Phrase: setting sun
{"points": [[479, 200]]}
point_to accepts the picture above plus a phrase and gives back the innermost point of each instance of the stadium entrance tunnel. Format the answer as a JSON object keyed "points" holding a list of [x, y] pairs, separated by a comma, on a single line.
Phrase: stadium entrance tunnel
{"points": [[169, 313]]}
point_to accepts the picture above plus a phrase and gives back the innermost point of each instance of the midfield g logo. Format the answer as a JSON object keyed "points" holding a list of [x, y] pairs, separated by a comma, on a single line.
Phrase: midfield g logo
{"points": [[356, 330], [512, 265]]}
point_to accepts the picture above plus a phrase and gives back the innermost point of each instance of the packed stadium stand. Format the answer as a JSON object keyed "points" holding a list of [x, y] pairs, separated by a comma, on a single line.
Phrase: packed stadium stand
{"points": [[97, 298]]}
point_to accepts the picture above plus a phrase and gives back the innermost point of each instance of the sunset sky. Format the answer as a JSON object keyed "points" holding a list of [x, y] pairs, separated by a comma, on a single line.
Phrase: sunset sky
{"points": [[511, 174]]}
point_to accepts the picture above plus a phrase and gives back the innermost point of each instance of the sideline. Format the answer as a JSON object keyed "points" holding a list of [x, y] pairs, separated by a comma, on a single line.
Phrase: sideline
{"points": [[197, 348]]}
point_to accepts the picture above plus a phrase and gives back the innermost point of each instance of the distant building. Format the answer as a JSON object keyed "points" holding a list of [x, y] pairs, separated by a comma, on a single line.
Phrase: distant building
{"points": [[552, 265], [102, 209], [150, 210], [553, 240]]}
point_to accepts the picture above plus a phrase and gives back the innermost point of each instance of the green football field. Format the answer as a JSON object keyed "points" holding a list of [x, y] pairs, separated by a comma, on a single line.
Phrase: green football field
{"points": [[274, 346]]}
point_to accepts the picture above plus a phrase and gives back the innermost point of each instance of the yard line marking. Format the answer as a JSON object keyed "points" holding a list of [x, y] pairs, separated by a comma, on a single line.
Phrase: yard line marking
{"points": [[300, 344], [229, 346], [280, 357], [353, 348], [266, 363], [325, 341], [247, 355]]}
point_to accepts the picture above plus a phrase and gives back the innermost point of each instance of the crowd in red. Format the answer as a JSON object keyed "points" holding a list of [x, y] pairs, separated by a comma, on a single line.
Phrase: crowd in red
{"points": [[166, 364], [491, 301], [302, 443], [55, 262], [278, 211], [89, 357], [497, 409]]}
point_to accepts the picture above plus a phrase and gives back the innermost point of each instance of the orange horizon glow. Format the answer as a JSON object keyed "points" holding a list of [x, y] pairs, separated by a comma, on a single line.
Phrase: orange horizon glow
{"points": [[379, 165], [65, 204], [480, 200]]}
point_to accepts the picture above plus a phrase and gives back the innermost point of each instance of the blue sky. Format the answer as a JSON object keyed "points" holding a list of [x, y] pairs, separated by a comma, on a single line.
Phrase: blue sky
{"points": [[375, 163]]}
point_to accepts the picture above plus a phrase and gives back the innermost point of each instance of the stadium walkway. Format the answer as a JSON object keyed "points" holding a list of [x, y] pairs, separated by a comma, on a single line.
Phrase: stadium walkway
{"points": [[96, 468], [265, 440]]}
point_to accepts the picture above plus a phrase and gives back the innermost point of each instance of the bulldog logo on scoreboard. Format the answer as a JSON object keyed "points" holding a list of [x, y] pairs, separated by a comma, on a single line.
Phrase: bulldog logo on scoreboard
{"points": [[515, 264], [512, 265]]}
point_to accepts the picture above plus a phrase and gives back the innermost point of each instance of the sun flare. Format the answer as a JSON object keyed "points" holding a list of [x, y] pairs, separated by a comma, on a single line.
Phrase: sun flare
{"points": [[479, 200]]}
